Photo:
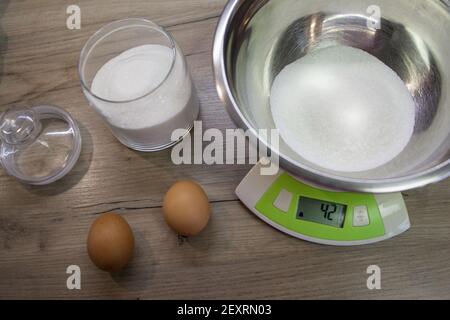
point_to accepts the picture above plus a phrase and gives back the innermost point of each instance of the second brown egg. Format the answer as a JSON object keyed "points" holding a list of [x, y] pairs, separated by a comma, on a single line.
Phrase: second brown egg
{"points": [[186, 208]]}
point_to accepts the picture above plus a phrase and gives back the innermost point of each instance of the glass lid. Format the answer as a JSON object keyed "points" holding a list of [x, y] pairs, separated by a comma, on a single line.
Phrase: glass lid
{"points": [[39, 145]]}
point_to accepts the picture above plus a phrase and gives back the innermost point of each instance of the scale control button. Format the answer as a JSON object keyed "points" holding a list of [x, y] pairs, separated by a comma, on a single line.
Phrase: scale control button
{"points": [[361, 216], [283, 201]]}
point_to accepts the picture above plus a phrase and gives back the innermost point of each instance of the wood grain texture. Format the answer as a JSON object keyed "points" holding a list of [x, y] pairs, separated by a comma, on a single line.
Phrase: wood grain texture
{"points": [[44, 229]]}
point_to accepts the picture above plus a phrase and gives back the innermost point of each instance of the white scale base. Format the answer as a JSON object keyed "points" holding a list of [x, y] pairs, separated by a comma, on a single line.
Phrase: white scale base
{"points": [[391, 206]]}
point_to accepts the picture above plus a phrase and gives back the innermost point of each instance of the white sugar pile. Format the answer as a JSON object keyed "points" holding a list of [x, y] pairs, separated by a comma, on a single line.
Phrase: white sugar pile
{"points": [[133, 73], [153, 94], [343, 109]]}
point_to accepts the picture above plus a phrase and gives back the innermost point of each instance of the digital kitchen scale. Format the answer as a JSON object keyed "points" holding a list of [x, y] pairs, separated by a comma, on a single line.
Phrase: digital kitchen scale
{"points": [[325, 217]]}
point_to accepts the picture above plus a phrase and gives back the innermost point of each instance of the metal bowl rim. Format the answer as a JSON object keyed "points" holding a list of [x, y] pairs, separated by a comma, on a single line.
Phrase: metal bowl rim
{"points": [[432, 175]]}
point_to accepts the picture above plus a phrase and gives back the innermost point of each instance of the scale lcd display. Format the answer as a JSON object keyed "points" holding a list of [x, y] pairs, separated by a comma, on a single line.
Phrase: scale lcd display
{"points": [[327, 213]]}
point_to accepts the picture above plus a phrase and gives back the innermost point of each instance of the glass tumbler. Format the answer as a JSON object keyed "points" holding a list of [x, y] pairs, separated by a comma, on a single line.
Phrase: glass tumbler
{"points": [[135, 76]]}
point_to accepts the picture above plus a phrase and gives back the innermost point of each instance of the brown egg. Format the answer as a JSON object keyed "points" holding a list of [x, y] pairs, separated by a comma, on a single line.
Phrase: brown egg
{"points": [[186, 208], [110, 243]]}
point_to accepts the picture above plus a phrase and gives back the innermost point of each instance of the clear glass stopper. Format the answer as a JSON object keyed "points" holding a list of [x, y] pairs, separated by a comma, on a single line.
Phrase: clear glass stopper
{"points": [[19, 125]]}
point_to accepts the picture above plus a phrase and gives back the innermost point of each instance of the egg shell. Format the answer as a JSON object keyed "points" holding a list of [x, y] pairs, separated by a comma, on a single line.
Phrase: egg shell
{"points": [[110, 242], [186, 208]]}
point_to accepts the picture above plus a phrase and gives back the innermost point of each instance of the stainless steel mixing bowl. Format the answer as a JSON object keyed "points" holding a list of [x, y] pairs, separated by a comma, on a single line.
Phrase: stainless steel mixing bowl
{"points": [[255, 39]]}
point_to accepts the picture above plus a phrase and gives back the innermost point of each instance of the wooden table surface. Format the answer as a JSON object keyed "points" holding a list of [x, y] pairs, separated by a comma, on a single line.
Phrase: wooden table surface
{"points": [[43, 229]]}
